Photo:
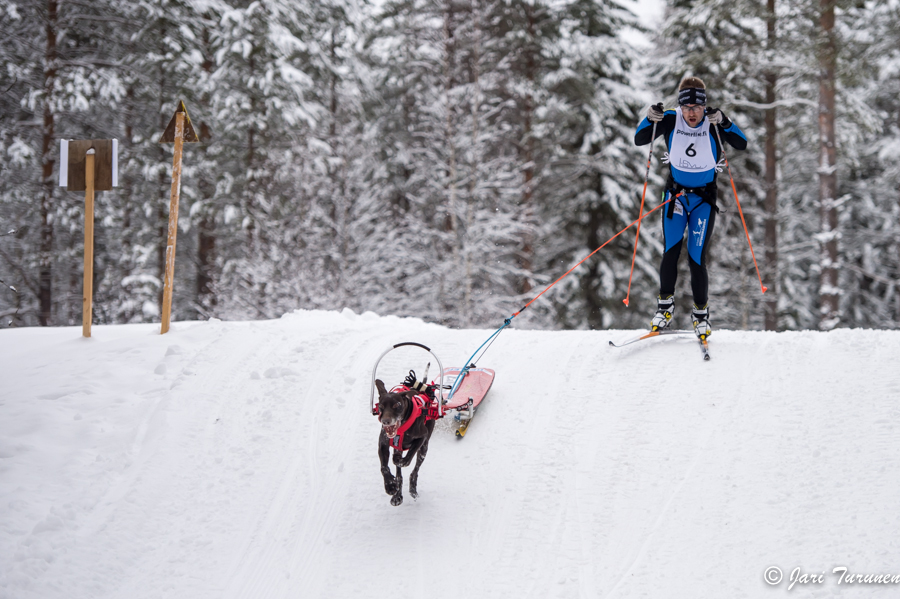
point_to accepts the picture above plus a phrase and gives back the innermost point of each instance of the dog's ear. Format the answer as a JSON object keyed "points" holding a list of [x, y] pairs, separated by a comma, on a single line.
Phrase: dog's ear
{"points": [[380, 386], [411, 393]]}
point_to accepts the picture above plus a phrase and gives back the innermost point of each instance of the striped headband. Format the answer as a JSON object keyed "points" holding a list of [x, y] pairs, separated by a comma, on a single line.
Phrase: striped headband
{"points": [[692, 95]]}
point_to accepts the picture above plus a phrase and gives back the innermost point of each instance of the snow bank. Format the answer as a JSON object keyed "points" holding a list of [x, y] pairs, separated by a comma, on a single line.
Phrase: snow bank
{"points": [[238, 460]]}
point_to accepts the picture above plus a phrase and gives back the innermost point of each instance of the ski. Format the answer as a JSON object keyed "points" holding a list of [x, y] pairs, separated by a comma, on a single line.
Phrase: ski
{"points": [[704, 344], [704, 347], [652, 334]]}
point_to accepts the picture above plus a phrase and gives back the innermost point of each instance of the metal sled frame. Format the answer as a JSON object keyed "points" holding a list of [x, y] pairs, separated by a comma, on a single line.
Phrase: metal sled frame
{"points": [[440, 398]]}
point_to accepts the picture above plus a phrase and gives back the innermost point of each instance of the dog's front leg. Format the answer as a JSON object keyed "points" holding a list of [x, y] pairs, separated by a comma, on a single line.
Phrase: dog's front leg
{"points": [[397, 499], [413, 449], [414, 477], [390, 483]]}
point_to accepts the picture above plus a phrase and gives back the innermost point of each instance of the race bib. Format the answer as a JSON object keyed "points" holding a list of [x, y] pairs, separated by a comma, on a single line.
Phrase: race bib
{"points": [[691, 149]]}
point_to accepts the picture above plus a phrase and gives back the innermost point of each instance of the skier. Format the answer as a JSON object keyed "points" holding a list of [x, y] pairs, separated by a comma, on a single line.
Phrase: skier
{"points": [[692, 157]]}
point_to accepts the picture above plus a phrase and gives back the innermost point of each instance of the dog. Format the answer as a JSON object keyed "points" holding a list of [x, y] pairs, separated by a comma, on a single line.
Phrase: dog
{"points": [[394, 410]]}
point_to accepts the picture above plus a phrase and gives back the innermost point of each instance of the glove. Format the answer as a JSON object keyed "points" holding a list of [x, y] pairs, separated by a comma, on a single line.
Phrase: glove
{"points": [[655, 114], [717, 117]]}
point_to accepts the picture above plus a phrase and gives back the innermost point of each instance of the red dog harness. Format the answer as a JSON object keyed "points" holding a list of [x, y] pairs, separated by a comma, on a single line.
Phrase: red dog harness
{"points": [[419, 402]]}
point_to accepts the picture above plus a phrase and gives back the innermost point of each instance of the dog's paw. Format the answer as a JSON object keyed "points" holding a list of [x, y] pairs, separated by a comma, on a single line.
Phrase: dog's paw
{"points": [[413, 493], [396, 500], [405, 462], [390, 485]]}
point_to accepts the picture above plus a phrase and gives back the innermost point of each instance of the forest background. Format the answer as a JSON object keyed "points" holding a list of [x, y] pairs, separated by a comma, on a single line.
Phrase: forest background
{"points": [[447, 159]]}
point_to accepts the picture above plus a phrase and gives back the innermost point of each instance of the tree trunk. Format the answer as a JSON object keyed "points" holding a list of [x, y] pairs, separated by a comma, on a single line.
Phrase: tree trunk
{"points": [[206, 299], [250, 192], [47, 163], [338, 175], [591, 279], [527, 153], [771, 202], [162, 200], [829, 292], [452, 224], [127, 264], [475, 163]]}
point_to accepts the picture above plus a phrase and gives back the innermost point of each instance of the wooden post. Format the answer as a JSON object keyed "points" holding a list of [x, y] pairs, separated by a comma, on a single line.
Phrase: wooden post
{"points": [[88, 165], [88, 287], [173, 223]]}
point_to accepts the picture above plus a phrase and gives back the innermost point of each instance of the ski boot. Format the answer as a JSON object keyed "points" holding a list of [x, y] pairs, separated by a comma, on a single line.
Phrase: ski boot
{"points": [[665, 306], [700, 317]]}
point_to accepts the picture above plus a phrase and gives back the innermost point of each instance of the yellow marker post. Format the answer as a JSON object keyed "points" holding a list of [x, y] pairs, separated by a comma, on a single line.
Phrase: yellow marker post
{"points": [[173, 223], [179, 132], [88, 286]]}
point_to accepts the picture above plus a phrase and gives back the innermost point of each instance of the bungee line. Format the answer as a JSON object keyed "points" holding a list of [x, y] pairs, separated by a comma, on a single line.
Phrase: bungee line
{"points": [[470, 362]]}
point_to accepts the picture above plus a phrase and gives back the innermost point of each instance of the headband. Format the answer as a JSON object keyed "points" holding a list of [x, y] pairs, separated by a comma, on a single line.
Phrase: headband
{"points": [[692, 95]]}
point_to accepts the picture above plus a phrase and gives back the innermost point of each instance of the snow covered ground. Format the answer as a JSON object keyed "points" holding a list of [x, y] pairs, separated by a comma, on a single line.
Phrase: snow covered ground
{"points": [[238, 460]]}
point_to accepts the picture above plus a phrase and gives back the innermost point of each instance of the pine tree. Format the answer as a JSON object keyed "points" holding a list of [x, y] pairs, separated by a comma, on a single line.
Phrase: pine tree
{"points": [[264, 106], [868, 206], [594, 181]]}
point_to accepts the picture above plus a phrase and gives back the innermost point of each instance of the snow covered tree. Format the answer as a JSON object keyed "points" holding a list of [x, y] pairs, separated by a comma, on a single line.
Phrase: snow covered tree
{"points": [[593, 181]]}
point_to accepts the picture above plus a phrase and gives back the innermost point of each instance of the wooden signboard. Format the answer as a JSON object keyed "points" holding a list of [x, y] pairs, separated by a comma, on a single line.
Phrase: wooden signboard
{"points": [[179, 132], [88, 165], [168, 136], [105, 163]]}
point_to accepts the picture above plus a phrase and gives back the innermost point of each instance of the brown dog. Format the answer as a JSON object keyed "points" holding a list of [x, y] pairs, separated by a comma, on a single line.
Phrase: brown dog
{"points": [[395, 409]]}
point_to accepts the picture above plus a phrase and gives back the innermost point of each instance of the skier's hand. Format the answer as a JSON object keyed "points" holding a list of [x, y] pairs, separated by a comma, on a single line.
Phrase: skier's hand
{"points": [[655, 114], [717, 117]]}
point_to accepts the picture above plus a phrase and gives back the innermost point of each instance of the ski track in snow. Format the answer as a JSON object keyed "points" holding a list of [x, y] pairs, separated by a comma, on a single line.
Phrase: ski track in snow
{"points": [[239, 460]]}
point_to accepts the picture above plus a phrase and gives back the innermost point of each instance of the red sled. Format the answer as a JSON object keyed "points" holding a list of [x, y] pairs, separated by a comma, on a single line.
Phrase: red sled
{"points": [[468, 395]]}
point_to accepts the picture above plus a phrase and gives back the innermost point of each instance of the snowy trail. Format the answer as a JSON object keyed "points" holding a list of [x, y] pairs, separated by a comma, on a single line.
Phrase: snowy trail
{"points": [[238, 460]]}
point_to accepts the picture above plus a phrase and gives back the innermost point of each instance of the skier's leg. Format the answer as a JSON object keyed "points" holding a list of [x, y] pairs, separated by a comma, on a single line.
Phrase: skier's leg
{"points": [[702, 219], [673, 237]]}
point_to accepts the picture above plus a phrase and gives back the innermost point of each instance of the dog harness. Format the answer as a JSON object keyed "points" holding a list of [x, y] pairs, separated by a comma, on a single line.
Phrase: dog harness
{"points": [[419, 403]]}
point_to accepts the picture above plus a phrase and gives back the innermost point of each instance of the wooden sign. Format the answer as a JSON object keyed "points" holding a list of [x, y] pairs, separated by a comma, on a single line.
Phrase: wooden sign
{"points": [[72, 155], [88, 165], [168, 136]]}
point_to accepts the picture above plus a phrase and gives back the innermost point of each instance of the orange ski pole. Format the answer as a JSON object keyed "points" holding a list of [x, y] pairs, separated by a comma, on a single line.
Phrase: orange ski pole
{"points": [[741, 212], [641, 213]]}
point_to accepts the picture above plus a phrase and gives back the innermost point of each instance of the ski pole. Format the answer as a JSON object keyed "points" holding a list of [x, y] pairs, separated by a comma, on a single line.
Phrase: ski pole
{"points": [[641, 213], [741, 212]]}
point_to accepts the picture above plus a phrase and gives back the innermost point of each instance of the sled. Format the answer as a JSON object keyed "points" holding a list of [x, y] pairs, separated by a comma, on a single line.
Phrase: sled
{"points": [[468, 395], [456, 396]]}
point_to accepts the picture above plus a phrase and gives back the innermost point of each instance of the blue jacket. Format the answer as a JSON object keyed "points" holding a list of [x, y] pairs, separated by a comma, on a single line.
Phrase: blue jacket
{"points": [[729, 132]]}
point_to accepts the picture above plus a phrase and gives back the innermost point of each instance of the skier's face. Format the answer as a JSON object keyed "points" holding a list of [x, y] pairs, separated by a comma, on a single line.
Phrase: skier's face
{"points": [[693, 113]]}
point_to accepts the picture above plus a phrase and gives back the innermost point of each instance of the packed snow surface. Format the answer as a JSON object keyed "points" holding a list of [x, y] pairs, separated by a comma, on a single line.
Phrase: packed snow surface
{"points": [[238, 460]]}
